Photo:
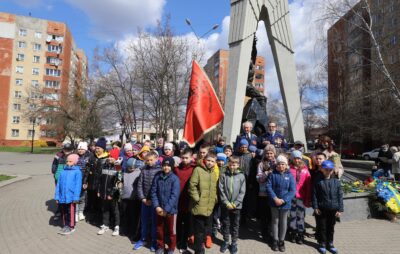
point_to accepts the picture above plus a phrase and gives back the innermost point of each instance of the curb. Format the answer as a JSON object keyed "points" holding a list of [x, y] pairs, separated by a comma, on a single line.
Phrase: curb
{"points": [[18, 178]]}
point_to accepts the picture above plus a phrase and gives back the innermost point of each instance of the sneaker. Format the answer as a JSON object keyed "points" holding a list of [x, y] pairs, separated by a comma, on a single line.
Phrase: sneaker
{"points": [[300, 239], [292, 237], [102, 230], [62, 230], [275, 246], [182, 250], [139, 244], [81, 216], [224, 247], [68, 231], [170, 252], [116, 231], [233, 249], [281, 246], [322, 249], [332, 248], [153, 248], [160, 251], [209, 242]]}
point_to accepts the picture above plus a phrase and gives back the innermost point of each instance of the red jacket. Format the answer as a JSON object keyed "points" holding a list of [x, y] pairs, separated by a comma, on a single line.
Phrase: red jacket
{"points": [[303, 184], [184, 172]]}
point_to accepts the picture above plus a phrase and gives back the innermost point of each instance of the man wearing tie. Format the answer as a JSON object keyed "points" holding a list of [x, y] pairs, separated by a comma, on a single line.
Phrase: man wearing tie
{"points": [[247, 127]]}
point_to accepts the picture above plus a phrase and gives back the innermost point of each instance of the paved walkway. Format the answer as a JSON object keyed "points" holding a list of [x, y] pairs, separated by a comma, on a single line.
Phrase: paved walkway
{"points": [[26, 225]]}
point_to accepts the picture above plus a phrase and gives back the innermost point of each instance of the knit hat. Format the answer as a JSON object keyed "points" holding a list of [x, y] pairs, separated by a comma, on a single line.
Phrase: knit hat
{"points": [[252, 149], [68, 147], [299, 143], [327, 164], [83, 145], [177, 160], [136, 147], [168, 146], [296, 154], [74, 158], [221, 157], [243, 142], [128, 147], [168, 161], [131, 162], [282, 159], [183, 145], [101, 142]]}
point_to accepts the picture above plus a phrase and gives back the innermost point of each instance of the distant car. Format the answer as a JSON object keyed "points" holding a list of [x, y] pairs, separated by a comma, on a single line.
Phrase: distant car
{"points": [[371, 155], [348, 154]]}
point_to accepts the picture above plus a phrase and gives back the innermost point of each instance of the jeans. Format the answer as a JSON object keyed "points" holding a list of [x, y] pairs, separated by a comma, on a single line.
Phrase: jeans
{"points": [[148, 216], [110, 207], [279, 219], [230, 224]]}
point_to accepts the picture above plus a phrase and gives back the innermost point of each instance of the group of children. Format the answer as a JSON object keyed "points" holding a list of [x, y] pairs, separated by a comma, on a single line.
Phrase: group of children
{"points": [[169, 201]]}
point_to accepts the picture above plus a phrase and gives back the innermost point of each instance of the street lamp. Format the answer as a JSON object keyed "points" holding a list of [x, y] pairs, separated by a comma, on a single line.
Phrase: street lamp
{"points": [[189, 23], [33, 133]]}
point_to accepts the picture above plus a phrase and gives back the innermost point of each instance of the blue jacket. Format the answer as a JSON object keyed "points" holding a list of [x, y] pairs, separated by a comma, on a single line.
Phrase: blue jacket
{"points": [[327, 194], [146, 178], [69, 185], [219, 149], [165, 192], [271, 138], [283, 186], [252, 140]]}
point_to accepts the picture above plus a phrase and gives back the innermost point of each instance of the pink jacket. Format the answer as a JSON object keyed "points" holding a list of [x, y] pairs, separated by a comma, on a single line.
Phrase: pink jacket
{"points": [[303, 184]]}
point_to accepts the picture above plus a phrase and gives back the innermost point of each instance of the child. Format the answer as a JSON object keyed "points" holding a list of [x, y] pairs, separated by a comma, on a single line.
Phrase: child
{"points": [[232, 188], [130, 205], [302, 176], [67, 194], [245, 163], [203, 191], [164, 197], [281, 189], [219, 148], [147, 213], [228, 150], [327, 202], [184, 172], [84, 157], [221, 162]]}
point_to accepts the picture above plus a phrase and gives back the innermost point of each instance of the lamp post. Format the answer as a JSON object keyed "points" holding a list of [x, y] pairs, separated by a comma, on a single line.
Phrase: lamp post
{"points": [[189, 23], [33, 133]]}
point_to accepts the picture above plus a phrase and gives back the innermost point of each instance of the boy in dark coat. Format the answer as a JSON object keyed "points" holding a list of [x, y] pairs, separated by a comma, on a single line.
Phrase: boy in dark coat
{"points": [[165, 197]]}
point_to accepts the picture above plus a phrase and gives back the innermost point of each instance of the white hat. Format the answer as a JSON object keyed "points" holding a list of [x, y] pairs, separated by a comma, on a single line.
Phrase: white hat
{"points": [[128, 147], [83, 145], [282, 159], [168, 146]]}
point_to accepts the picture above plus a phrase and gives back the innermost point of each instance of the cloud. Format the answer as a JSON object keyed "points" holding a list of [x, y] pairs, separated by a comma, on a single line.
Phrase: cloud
{"points": [[111, 19], [29, 3]]}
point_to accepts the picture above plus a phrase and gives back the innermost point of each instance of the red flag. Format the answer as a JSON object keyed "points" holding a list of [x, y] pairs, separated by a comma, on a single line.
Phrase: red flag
{"points": [[203, 112]]}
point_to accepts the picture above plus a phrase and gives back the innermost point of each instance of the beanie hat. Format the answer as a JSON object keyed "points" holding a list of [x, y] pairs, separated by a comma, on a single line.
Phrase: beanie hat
{"points": [[74, 158], [243, 142], [282, 159], [177, 160], [183, 145], [83, 145], [168, 146], [168, 161], [296, 154], [136, 147], [128, 147], [67, 147], [221, 157], [131, 162], [101, 142], [252, 149], [327, 164]]}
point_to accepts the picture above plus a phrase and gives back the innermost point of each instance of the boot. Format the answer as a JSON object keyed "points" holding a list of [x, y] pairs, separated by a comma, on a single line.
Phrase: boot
{"points": [[281, 246], [300, 238], [274, 245], [292, 236]]}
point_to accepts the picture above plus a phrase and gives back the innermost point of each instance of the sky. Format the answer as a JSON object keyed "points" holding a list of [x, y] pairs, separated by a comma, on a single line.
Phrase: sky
{"points": [[97, 23]]}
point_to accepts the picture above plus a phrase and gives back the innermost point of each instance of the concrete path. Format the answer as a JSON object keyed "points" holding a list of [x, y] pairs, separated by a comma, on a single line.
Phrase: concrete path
{"points": [[26, 225]]}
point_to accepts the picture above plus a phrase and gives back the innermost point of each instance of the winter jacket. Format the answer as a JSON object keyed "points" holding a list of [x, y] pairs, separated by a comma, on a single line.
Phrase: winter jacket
{"points": [[184, 172], [252, 140], [219, 149], [145, 180], [130, 181], [327, 194], [245, 163], [94, 168], [200, 163], [263, 170], [108, 181], [203, 190], [303, 184], [83, 163], [232, 188], [69, 184], [283, 186], [165, 192], [58, 164]]}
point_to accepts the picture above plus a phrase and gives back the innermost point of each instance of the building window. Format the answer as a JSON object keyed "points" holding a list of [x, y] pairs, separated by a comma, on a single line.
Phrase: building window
{"points": [[32, 106], [17, 107], [21, 44], [38, 35], [31, 133], [51, 96], [20, 69], [20, 57], [37, 47], [35, 71], [54, 48], [16, 119], [18, 82], [53, 72], [53, 61], [15, 132], [22, 32], [36, 59], [52, 84], [18, 94], [259, 76], [35, 95], [35, 83]]}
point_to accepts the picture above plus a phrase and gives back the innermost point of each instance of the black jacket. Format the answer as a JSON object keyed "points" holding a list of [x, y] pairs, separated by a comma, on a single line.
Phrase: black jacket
{"points": [[108, 181], [327, 194], [93, 171]]}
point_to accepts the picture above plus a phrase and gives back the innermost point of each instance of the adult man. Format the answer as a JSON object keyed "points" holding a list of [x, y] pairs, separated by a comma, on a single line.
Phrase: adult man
{"points": [[383, 160], [160, 146], [273, 137], [246, 134]]}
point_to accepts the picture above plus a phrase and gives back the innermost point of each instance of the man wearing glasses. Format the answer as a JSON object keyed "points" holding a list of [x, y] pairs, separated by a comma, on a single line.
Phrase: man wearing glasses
{"points": [[273, 137]]}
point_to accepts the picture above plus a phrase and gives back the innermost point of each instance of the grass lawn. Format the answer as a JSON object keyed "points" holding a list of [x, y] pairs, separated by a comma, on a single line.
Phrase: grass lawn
{"points": [[4, 177], [48, 150]]}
